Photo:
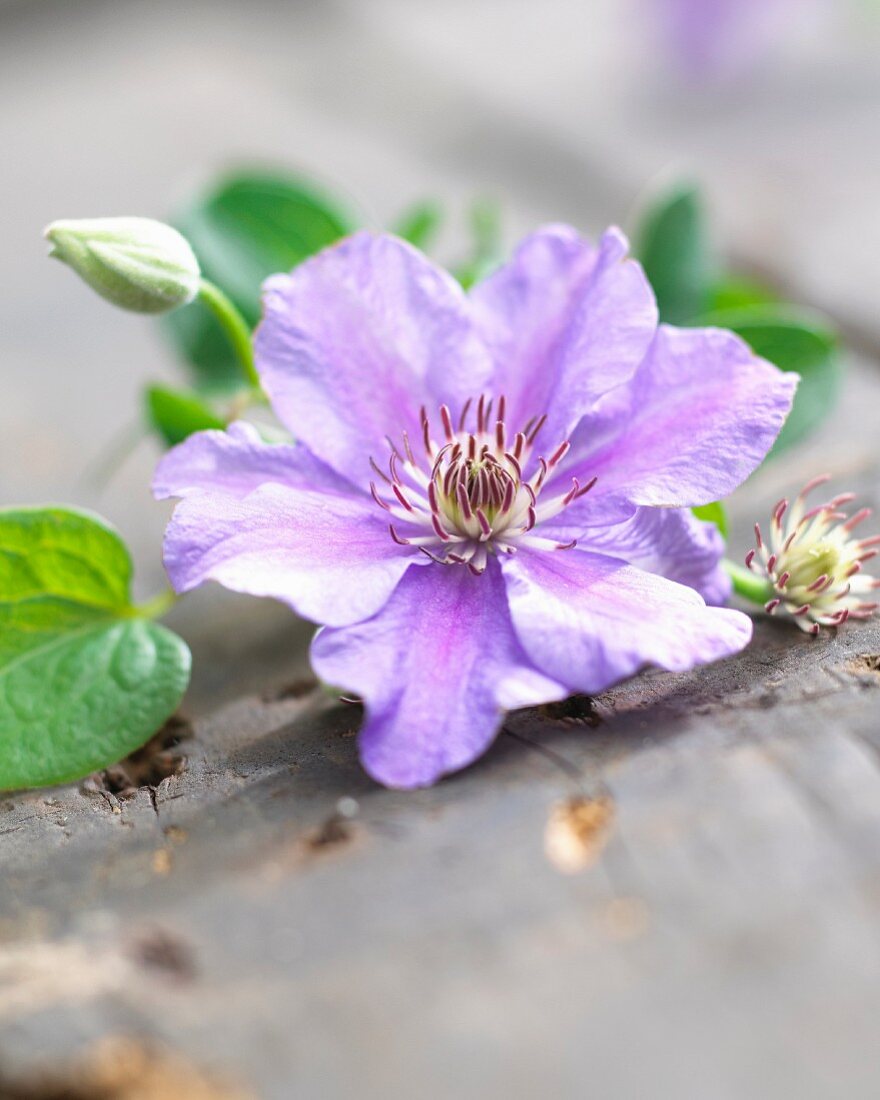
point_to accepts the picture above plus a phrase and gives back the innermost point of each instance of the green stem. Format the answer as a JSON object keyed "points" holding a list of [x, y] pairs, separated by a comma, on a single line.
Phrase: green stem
{"points": [[751, 587], [158, 606], [234, 325]]}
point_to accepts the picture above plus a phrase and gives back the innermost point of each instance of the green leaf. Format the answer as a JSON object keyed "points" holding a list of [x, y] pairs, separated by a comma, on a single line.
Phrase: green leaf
{"points": [[672, 243], [733, 292], [248, 226], [713, 513], [795, 340], [419, 224], [176, 414], [83, 680]]}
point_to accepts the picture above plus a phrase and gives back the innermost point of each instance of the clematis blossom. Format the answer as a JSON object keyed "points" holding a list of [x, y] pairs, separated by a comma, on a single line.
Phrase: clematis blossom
{"points": [[486, 506], [721, 38]]}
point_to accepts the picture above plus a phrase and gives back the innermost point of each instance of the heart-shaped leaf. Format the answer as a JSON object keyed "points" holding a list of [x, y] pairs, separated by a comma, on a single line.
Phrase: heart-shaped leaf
{"points": [[795, 340], [672, 243], [248, 226], [84, 679]]}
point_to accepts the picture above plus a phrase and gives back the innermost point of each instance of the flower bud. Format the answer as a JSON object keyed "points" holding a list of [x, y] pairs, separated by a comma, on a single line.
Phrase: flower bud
{"points": [[136, 263]]}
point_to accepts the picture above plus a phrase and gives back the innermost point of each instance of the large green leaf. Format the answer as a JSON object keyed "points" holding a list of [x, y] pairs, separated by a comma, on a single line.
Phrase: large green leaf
{"points": [[83, 679], [795, 340], [246, 227], [176, 414], [672, 243]]}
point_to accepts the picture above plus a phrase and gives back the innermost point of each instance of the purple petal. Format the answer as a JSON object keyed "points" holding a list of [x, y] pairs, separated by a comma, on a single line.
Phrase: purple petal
{"points": [[589, 621], [565, 322], [330, 558], [671, 542], [356, 339], [237, 461], [436, 668], [698, 417]]}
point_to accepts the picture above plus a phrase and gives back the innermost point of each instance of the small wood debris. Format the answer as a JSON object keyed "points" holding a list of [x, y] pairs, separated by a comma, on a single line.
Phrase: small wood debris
{"points": [[159, 759], [577, 831]]}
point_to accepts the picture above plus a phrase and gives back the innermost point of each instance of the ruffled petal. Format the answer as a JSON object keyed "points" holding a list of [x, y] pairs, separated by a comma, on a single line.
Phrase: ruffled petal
{"points": [[237, 461], [331, 558], [436, 668], [566, 322], [671, 542], [357, 339], [588, 620], [698, 417]]}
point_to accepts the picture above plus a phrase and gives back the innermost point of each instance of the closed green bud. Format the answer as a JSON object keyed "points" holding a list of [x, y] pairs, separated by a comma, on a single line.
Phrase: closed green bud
{"points": [[136, 263]]}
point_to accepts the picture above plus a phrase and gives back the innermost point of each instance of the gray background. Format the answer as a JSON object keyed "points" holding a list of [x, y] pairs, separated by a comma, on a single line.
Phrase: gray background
{"points": [[726, 943]]}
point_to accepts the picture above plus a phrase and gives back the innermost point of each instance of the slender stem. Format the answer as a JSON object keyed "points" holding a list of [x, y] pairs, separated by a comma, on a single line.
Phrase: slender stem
{"points": [[234, 325], [751, 587], [158, 606]]}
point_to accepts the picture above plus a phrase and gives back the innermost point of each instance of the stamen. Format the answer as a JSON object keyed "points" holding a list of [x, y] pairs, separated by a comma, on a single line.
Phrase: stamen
{"points": [[446, 417], [557, 456], [476, 491], [532, 435], [398, 492], [858, 518], [442, 533], [375, 493], [380, 471]]}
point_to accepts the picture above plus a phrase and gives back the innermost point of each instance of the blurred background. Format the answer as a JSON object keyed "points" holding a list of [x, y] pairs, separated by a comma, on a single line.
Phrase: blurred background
{"points": [[572, 110], [568, 110]]}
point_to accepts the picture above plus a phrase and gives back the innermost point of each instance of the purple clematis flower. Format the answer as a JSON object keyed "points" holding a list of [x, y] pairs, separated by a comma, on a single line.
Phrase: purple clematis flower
{"points": [[487, 504], [720, 38]]}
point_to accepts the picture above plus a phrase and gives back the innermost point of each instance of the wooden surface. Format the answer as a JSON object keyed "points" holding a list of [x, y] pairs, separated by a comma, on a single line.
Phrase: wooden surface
{"points": [[264, 920]]}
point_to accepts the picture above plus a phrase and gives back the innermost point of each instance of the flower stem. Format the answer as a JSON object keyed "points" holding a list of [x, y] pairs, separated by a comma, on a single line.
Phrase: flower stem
{"points": [[234, 325], [158, 606], [755, 589]]}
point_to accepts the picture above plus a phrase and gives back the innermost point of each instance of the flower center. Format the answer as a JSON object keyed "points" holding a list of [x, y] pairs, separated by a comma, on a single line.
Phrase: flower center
{"points": [[813, 562], [805, 565], [469, 496]]}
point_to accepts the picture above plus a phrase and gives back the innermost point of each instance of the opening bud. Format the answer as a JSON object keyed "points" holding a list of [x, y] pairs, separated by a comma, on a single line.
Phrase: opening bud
{"points": [[136, 263]]}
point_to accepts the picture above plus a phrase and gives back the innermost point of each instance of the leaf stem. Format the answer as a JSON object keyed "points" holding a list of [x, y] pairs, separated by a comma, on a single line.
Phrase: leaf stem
{"points": [[757, 590], [234, 325], [158, 606]]}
